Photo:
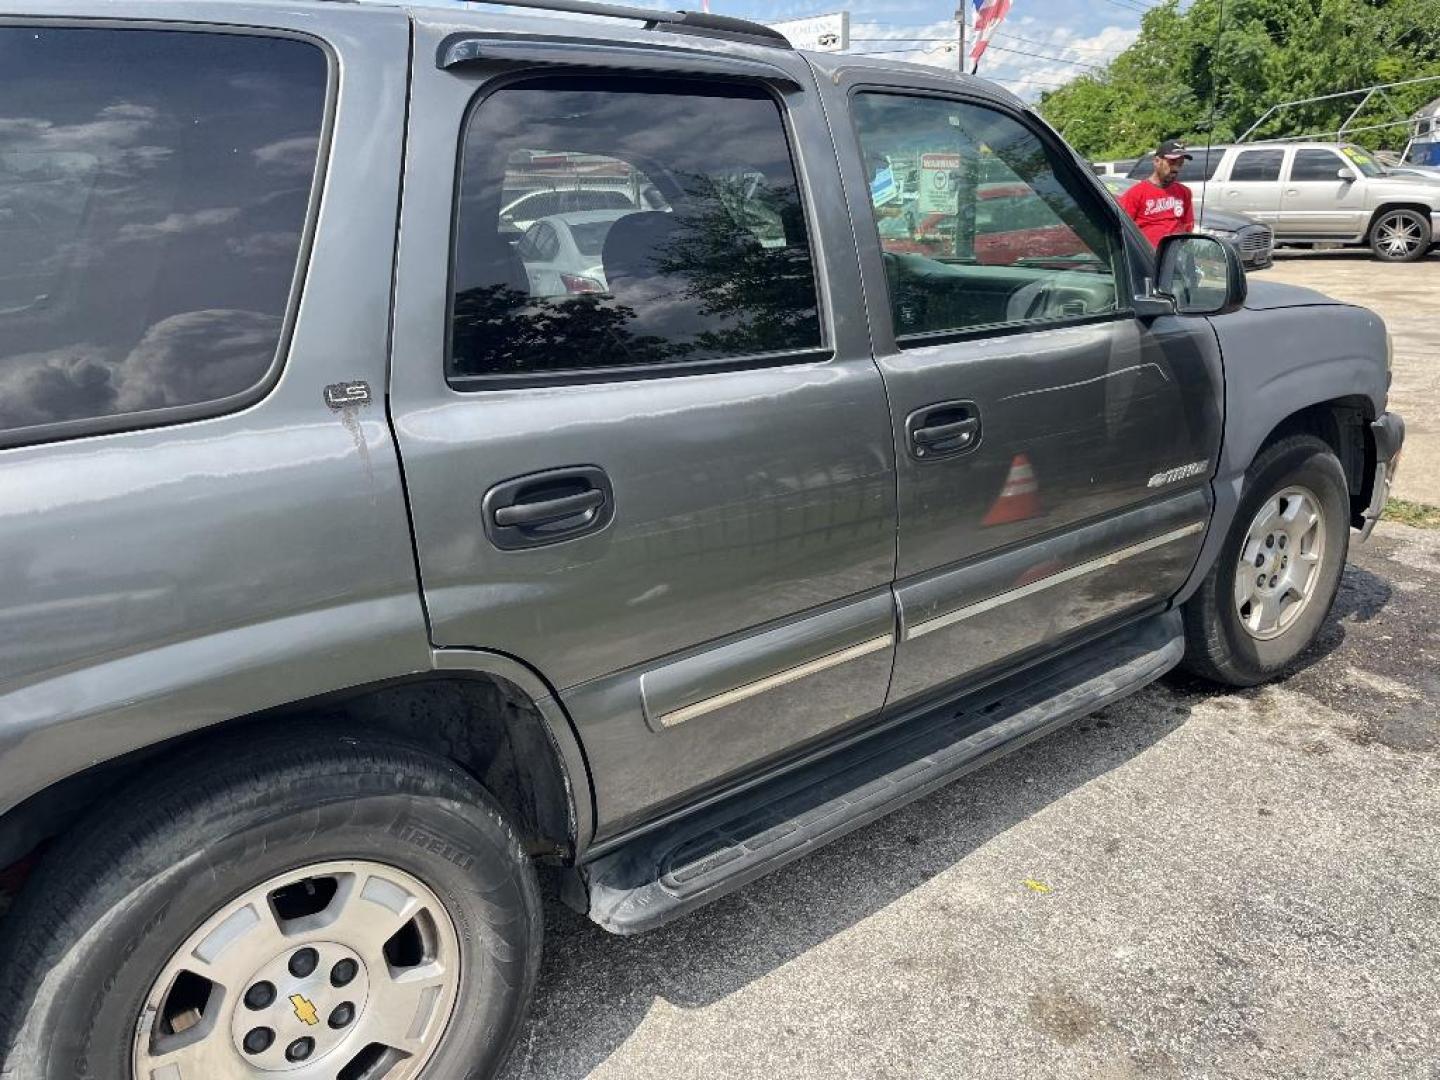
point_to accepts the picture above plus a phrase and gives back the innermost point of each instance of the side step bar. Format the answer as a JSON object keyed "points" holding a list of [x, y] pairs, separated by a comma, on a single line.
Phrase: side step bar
{"points": [[664, 874]]}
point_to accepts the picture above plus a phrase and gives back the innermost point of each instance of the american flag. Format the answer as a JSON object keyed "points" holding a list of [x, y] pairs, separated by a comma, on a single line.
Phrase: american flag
{"points": [[988, 15]]}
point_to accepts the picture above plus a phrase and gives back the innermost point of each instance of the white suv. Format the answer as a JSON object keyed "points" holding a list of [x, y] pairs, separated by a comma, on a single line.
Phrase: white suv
{"points": [[1320, 193]]}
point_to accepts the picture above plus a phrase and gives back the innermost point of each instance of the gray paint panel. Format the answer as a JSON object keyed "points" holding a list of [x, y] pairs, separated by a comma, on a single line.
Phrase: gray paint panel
{"points": [[762, 655], [641, 767], [744, 498], [1279, 361], [171, 689], [963, 620], [157, 581]]}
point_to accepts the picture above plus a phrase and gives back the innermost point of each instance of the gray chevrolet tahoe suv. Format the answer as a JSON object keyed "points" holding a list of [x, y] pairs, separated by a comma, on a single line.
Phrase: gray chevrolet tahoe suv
{"points": [[352, 581]]}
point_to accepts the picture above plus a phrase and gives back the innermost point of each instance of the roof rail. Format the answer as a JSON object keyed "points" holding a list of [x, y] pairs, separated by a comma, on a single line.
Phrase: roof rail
{"points": [[701, 23]]}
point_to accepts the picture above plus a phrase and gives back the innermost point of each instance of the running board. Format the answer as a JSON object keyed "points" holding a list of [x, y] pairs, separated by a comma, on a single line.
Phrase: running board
{"points": [[666, 873]]}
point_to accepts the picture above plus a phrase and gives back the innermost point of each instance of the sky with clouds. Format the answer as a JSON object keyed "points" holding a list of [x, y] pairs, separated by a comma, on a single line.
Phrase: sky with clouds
{"points": [[1041, 45]]}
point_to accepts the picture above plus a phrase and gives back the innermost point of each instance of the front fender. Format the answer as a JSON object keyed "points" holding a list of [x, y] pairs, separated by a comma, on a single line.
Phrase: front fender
{"points": [[1283, 360]]}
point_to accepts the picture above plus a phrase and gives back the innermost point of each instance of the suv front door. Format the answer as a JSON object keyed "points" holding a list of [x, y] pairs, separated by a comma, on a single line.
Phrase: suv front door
{"points": [[1317, 202], [665, 483], [1053, 450]]}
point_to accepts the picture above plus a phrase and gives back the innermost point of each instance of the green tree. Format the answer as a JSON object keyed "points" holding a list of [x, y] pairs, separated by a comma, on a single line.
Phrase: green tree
{"points": [[1188, 75]]}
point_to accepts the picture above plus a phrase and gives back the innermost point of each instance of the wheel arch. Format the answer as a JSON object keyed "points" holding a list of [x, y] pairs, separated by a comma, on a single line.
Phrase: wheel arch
{"points": [[1386, 207], [1343, 423], [485, 712]]}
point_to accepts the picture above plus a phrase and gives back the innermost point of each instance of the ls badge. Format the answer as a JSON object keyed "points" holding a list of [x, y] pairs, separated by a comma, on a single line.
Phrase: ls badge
{"points": [[341, 394]]}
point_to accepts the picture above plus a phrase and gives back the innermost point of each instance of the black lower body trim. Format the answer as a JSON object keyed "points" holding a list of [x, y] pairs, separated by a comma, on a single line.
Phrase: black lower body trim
{"points": [[666, 873]]}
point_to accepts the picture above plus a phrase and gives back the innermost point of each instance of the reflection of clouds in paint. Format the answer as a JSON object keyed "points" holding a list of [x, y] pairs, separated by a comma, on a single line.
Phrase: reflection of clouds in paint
{"points": [[195, 356], [173, 224], [295, 155]]}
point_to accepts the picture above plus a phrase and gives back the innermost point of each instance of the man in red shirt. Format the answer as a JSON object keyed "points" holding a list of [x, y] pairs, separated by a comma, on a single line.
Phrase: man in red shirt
{"points": [[1162, 205]]}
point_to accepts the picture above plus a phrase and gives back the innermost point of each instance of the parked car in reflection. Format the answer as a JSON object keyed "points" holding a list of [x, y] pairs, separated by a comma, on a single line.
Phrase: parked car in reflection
{"points": [[562, 253], [1253, 239]]}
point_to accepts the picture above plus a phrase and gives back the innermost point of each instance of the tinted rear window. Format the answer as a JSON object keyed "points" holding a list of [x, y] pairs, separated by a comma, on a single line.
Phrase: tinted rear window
{"points": [[154, 187], [1257, 165], [710, 259], [1201, 167]]}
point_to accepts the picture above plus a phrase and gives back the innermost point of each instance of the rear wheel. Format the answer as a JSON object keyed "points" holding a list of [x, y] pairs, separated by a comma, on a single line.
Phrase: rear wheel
{"points": [[1268, 593], [1400, 235], [352, 912]]}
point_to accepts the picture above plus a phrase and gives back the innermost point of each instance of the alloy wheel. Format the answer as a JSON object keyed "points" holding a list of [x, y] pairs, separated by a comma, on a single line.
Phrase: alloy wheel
{"points": [[1279, 563], [1398, 235], [344, 970]]}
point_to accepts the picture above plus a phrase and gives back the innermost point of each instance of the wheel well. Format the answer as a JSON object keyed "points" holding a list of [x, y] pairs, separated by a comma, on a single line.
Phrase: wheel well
{"points": [[1419, 208], [1344, 424], [484, 724]]}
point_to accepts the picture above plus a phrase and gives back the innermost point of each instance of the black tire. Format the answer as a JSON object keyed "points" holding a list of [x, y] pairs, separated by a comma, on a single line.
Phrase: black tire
{"points": [[1412, 223], [1217, 645], [114, 901]]}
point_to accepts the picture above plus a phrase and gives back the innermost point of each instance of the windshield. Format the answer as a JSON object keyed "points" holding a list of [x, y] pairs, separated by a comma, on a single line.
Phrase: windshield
{"points": [[1362, 160]]}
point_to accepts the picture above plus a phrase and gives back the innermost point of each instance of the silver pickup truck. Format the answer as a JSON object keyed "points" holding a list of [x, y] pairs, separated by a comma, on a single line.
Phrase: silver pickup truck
{"points": [[370, 557], [1332, 193]]}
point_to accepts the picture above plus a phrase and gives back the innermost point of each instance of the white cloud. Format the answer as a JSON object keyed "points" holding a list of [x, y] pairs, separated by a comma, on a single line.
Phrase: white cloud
{"points": [[296, 155], [172, 224], [1043, 57]]}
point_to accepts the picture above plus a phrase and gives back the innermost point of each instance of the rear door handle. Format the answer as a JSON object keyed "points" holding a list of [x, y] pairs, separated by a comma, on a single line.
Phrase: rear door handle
{"points": [[945, 429], [548, 507], [547, 511]]}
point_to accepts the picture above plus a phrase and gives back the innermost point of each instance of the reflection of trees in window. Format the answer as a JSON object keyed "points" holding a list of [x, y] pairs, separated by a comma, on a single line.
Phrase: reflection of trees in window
{"points": [[766, 294], [498, 330], [718, 288]]}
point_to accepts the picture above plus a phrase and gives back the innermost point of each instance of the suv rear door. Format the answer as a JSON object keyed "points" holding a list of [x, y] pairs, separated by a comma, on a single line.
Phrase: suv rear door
{"points": [[1052, 449], [1252, 184], [718, 594]]}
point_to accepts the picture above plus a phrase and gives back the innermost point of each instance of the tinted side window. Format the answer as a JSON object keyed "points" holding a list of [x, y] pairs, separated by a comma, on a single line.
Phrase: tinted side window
{"points": [[977, 226], [1310, 165], [685, 207], [1202, 165], [1260, 165], [153, 192]]}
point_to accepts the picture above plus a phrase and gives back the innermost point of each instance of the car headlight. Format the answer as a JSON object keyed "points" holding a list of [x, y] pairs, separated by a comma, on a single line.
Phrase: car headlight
{"points": [[1223, 234]]}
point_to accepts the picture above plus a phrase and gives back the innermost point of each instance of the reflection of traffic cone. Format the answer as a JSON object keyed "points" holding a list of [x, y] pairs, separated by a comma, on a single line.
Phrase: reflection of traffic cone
{"points": [[1019, 498]]}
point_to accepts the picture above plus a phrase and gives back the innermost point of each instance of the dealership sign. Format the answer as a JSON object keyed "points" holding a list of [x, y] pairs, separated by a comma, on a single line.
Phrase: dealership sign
{"points": [[819, 33]]}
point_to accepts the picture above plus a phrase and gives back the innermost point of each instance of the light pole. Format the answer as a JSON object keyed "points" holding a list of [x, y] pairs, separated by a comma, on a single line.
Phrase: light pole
{"points": [[960, 34]]}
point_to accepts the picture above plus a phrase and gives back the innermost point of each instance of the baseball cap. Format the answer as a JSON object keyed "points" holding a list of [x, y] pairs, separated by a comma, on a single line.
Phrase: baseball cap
{"points": [[1174, 150]]}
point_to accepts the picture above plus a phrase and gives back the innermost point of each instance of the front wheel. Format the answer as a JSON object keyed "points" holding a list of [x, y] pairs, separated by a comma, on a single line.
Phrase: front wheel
{"points": [[1400, 236], [294, 910], [1264, 600]]}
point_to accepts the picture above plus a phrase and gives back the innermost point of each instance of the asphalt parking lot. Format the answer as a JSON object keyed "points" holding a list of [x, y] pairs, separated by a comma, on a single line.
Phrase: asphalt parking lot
{"points": [[1190, 884], [1407, 296]]}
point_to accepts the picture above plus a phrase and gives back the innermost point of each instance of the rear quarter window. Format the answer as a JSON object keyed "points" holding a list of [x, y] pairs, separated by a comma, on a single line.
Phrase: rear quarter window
{"points": [[154, 191]]}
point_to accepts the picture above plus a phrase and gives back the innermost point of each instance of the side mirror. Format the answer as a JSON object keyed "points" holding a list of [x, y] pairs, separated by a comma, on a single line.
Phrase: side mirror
{"points": [[1202, 275], [1348, 175]]}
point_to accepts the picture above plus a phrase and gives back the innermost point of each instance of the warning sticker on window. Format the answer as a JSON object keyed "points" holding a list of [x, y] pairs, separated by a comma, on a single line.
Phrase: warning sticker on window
{"points": [[937, 183]]}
